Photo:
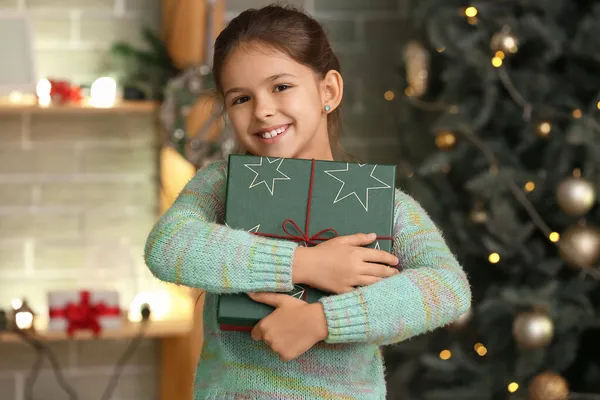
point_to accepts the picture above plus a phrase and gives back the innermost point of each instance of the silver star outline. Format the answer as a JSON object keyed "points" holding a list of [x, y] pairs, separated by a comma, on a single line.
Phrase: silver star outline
{"points": [[299, 292], [254, 229], [366, 203], [272, 188]]}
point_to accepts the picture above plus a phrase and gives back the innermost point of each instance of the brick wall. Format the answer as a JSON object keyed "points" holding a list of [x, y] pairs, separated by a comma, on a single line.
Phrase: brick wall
{"points": [[72, 36], [77, 193], [77, 198]]}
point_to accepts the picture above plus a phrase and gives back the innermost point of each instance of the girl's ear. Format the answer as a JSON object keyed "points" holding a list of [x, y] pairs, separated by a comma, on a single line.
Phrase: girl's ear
{"points": [[332, 90]]}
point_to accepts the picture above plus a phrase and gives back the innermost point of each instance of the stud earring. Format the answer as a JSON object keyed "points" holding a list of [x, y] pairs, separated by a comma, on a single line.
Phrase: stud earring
{"points": [[327, 108]]}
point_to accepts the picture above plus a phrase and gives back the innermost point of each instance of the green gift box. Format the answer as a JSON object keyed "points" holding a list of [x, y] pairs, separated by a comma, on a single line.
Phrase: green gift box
{"points": [[307, 201]]}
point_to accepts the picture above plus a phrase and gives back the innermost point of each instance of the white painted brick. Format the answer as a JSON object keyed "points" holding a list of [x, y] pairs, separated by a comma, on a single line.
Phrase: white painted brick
{"points": [[62, 4], [8, 3], [16, 194], [65, 64], [51, 29], [12, 256]]}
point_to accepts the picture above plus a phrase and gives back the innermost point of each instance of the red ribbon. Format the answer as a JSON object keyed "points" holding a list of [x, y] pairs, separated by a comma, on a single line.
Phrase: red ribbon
{"points": [[303, 236], [84, 315]]}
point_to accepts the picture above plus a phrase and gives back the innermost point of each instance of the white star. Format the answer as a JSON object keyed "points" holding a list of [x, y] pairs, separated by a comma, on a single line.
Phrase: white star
{"points": [[377, 246], [254, 229], [299, 292], [271, 189], [365, 204]]}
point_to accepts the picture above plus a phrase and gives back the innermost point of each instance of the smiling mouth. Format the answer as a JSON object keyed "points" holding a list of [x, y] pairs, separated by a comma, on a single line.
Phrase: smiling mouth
{"points": [[273, 133]]}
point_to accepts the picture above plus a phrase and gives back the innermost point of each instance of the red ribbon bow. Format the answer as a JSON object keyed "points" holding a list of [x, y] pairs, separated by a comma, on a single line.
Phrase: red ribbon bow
{"points": [[84, 315]]}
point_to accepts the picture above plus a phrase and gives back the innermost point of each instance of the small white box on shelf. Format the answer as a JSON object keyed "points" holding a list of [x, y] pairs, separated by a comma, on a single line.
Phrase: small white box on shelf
{"points": [[78, 310]]}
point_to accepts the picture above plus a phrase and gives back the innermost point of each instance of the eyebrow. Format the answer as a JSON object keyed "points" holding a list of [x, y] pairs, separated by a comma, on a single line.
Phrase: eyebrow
{"points": [[270, 78]]}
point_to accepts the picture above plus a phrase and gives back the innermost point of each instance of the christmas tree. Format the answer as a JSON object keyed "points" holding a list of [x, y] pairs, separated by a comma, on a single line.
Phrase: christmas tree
{"points": [[500, 123]]}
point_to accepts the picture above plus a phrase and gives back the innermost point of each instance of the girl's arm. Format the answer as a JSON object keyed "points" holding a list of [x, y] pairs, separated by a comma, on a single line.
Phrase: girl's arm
{"points": [[431, 291], [188, 247]]}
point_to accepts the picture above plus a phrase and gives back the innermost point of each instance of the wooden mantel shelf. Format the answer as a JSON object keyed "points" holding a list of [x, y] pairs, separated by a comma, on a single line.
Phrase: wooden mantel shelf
{"points": [[84, 107], [154, 329]]}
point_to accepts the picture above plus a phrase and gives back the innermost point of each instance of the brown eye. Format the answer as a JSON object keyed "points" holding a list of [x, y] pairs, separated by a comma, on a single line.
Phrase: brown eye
{"points": [[240, 100], [280, 88]]}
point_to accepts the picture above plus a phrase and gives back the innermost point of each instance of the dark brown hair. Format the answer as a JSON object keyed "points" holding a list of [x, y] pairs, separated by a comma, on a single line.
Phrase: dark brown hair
{"points": [[290, 31]]}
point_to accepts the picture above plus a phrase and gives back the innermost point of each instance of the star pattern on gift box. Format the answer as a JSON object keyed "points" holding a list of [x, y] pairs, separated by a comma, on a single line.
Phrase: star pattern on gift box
{"points": [[351, 187], [251, 230], [377, 246], [298, 292], [267, 173]]}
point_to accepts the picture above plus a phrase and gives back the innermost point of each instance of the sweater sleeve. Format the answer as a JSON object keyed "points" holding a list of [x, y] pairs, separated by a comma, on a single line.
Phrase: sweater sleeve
{"points": [[188, 247], [431, 291]]}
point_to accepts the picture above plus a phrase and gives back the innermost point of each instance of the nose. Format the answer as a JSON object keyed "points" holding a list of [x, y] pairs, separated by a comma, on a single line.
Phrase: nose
{"points": [[264, 108]]}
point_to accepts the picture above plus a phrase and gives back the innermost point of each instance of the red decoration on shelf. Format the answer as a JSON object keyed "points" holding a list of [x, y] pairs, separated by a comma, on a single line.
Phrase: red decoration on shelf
{"points": [[84, 315], [62, 91]]}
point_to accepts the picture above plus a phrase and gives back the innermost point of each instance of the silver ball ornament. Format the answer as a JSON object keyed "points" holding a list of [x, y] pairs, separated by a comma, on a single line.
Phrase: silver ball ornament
{"points": [[533, 330], [580, 246], [576, 196]]}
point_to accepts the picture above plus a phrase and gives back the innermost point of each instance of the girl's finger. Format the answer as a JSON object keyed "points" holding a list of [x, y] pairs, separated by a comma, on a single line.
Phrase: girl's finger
{"points": [[378, 270]]}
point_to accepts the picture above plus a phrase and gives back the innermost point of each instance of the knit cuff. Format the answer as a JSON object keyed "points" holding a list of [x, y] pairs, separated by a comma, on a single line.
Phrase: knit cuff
{"points": [[271, 262], [347, 319]]}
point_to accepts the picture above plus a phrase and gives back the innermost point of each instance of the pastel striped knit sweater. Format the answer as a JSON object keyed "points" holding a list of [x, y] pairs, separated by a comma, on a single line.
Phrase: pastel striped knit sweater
{"points": [[190, 246]]}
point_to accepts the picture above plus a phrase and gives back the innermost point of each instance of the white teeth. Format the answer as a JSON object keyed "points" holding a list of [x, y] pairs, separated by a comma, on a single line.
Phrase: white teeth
{"points": [[273, 133]]}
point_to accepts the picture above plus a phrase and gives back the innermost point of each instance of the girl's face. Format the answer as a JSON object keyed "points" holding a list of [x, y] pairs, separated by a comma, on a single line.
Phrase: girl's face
{"points": [[277, 105]]}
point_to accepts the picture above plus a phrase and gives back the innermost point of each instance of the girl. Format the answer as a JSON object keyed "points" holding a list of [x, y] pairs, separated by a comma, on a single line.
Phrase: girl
{"points": [[281, 86]]}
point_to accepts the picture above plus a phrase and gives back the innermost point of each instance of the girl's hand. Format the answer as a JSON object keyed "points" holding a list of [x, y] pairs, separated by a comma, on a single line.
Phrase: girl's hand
{"points": [[293, 328], [340, 264]]}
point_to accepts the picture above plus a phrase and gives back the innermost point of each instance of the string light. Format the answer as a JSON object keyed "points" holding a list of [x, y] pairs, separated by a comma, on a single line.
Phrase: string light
{"points": [[440, 49], [598, 105], [445, 354], [408, 91], [494, 258], [16, 304], [513, 387], [480, 349], [577, 113], [389, 95], [500, 54], [530, 186], [544, 128], [554, 237], [497, 62], [471, 12]]}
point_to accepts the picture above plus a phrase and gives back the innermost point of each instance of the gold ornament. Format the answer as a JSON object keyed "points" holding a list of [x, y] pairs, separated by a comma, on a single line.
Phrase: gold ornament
{"points": [[504, 41], [461, 322], [533, 330], [580, 246], [445, 140], [576, 196], [416, 59], [548, 386]]}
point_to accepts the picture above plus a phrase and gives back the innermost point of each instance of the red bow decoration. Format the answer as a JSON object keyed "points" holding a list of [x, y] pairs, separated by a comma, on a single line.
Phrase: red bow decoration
{"points": [[84, 315], [63, 91]]}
